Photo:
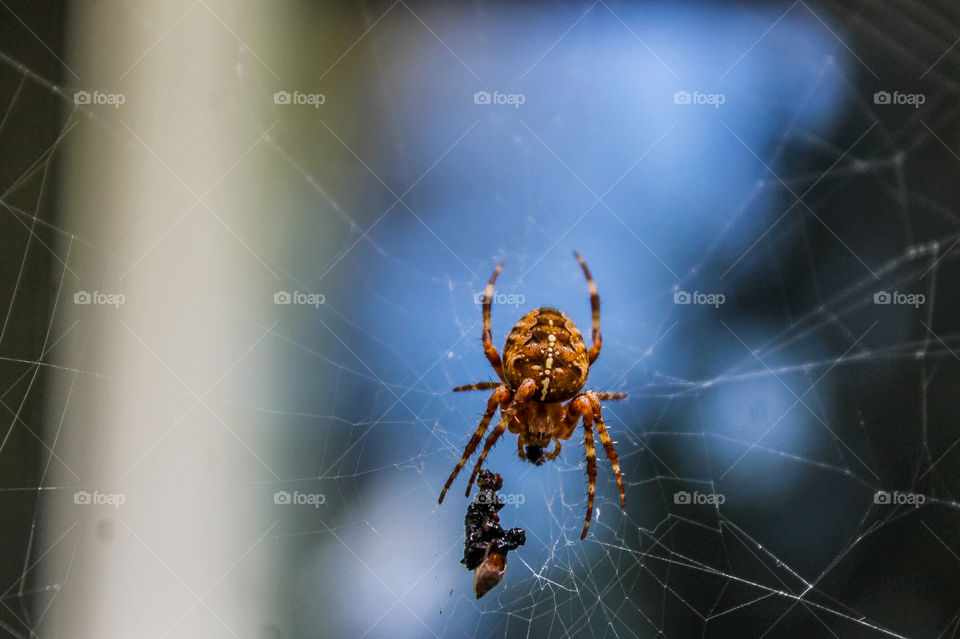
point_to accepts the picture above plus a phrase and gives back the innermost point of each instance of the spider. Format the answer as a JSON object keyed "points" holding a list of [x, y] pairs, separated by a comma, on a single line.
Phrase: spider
{"points": [[545, 363]]}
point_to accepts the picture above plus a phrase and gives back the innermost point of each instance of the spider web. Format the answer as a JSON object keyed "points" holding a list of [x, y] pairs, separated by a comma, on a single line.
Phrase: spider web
{"points": [[809, 380]]}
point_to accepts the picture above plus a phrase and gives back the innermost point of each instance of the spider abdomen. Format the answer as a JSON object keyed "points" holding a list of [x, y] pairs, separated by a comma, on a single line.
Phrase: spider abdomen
{"points": [[546, 346]]}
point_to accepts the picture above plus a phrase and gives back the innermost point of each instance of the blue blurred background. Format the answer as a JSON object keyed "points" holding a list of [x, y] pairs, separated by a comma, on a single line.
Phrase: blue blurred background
{"points": [[594, 147]]}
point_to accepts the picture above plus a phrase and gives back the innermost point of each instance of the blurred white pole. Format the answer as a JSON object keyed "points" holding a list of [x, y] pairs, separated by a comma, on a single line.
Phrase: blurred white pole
{"points": [[184, 555]]}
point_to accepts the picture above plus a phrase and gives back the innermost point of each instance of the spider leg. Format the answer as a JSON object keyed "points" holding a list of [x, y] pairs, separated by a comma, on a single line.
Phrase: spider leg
{"points": [[501, 394], [595, 309], [478, 386], [600, 396], [488, 348], [588, 407], [524, 392], [571, 416], [491, 440], [591, 468], [607, 442]]}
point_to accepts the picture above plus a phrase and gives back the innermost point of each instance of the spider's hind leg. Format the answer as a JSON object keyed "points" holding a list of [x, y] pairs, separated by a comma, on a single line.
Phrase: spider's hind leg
{"points": [[594, 311], [488, 348]]}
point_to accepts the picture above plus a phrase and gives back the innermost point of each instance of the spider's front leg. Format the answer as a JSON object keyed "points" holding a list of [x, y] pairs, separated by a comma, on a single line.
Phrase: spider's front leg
{"points": [[607, 442], [579, 407], [499, 396], [587, 407], [522, 395]]}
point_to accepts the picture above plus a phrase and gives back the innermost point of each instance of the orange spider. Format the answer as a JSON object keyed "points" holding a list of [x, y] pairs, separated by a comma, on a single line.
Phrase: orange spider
{"points": [[545, 363]]}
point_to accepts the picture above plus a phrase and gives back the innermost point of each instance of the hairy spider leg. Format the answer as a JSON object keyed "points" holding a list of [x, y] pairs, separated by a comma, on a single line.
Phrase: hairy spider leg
{"points": [[600, 396], [488, 348], [523, 394], [607, 443], [505, 417], [591, 469], [587, 407], [500, 395], [478, 386], [595, 309]]}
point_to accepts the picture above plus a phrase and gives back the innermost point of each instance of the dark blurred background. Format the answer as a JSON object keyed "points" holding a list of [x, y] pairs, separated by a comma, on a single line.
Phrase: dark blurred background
{"points": [[29, 129], [795, 163]]}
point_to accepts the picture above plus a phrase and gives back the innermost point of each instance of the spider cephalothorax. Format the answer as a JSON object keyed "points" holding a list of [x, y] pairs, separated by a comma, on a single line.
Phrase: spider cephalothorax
{"points": [[545, 363]]}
